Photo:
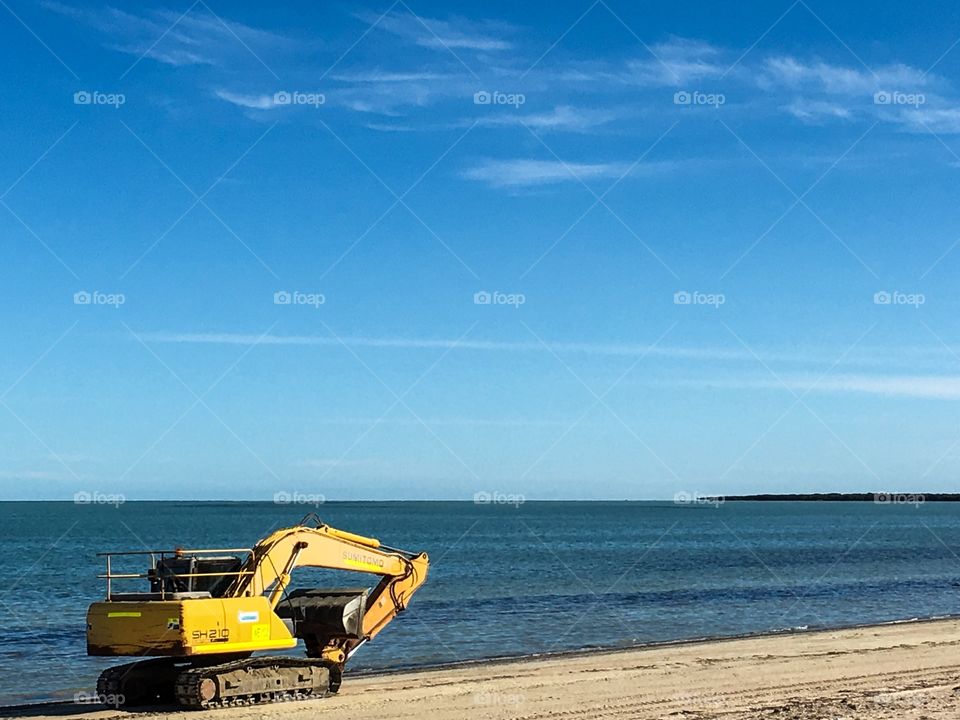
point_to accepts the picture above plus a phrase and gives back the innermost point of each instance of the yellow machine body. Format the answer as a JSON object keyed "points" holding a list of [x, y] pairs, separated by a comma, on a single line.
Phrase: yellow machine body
{"points": [[194, 626]]}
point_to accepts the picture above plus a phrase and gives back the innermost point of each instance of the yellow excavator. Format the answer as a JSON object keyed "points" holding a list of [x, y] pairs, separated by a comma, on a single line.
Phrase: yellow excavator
{"points": [[208, 611]]}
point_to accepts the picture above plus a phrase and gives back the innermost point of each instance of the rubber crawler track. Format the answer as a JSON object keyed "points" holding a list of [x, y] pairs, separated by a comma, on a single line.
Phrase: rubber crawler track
{"points": [[187, 686]]}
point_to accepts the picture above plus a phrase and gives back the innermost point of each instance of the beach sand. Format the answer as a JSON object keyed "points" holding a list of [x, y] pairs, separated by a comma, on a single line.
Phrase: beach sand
{"points": [[902, 672]]}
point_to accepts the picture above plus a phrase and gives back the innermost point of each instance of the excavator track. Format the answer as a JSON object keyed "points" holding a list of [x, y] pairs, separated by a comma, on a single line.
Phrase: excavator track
{"points": [[256, 680], [146, 682]]}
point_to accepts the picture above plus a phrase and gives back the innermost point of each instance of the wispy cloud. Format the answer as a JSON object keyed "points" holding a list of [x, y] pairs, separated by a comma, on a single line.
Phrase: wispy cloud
{"points": [[171, 37], [562, 117], [528, 173], [455, 33], [674, 62], [678, 61], [813, 111], [525, 173], [255, 102], [435, 422], [880, 358], [938, 387], [918, 386], [386, 76], [895, 94], [722, 354], [795, 73], [928, 119], [441, 344]]}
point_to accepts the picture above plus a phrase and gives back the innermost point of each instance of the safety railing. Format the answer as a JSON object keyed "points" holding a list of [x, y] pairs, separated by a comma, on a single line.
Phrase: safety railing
{"points": [[157, 557]]}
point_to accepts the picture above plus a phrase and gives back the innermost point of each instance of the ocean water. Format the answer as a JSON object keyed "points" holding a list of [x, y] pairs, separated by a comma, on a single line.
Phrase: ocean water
{"points": [[509, 580]]}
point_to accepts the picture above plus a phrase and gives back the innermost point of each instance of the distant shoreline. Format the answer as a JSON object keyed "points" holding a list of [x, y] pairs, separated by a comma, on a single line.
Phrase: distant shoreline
{"points": [[879, 498]]}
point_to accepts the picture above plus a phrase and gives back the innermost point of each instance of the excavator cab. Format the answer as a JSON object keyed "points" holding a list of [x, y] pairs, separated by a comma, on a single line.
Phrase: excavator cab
{"points": [[180, 574]]}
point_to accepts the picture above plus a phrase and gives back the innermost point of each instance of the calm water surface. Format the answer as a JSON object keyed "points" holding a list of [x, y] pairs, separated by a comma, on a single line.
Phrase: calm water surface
{"points": [[541, 577]]}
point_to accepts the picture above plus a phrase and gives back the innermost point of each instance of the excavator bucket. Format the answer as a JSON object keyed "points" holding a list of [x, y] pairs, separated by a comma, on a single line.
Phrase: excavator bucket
{"points": [[322, 612]]}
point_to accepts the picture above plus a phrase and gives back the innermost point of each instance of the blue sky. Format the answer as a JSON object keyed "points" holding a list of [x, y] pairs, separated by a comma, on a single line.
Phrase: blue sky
{"points": [[419, 250]]}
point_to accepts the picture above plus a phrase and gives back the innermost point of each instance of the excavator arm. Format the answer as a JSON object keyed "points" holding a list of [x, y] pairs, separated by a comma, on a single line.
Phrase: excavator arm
{"points": [[271, 563]]}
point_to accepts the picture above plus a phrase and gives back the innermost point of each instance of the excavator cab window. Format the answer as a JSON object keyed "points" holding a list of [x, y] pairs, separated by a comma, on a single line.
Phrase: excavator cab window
{"points": [[194, 574]]}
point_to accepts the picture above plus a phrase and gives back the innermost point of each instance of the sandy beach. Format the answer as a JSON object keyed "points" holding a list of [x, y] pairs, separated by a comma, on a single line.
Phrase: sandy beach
{"points": [[902, 671]]}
